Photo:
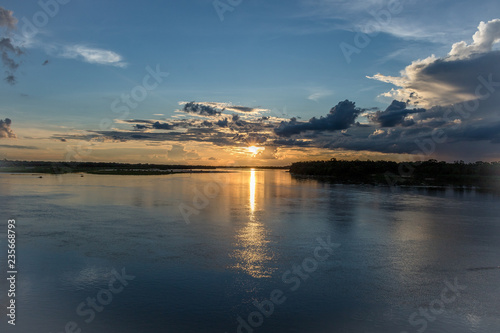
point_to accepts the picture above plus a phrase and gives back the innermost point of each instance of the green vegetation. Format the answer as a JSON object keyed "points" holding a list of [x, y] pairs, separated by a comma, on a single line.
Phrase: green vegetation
{"points": [[428, 173]]}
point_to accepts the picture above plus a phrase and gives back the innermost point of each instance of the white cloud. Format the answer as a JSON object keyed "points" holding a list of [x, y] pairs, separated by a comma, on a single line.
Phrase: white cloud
{"points": [[319, 93], [486, 36], [453, 78], [92, 55], [425, 20]]}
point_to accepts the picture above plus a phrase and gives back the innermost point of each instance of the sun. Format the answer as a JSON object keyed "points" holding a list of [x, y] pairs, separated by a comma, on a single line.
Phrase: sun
{"points": [[253, 150]]}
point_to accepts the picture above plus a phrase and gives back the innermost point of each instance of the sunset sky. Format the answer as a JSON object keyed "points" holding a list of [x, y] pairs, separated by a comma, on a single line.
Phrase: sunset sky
{"points": [[249, 82]]}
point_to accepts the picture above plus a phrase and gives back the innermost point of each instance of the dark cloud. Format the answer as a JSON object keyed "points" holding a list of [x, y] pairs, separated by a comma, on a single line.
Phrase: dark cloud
{"points": [[7, 19], [477, 131], [292, 143], [242, 108], [252, 139], [135, 136], [18, 147], [138, 121], [222, 123], [394, 115], [201, 109], [341, 116], [454, 78], [164, 126], [149, 124], [8, 51], [5, 130]]}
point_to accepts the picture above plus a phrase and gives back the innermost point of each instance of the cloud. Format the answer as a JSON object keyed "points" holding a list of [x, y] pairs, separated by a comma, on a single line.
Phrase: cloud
{"points": [[18, 147], [242, 109], [340, 117], [486, 36], [292, 143], [92, 55], [222, 123], [149, 124], [201, 109], [7, 48], [395, 114], [476, 131], [319, 93], [5, 130], [7, 19], [216, 108], [269, 153], [178, 153], [404, 19], [163, 126], [452, 79]]}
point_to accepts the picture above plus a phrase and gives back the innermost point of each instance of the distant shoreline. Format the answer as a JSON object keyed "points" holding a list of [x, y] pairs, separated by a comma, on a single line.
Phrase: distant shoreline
{"points": [[102, 168], [428, 174]]}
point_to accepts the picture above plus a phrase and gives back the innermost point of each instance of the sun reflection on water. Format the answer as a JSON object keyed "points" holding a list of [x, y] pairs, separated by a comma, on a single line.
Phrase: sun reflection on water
{"points": [[252, 192], [252, 244]]}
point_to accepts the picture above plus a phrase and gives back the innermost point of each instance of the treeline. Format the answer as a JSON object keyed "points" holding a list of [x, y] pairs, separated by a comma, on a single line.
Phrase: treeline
{"points": [[71, 167], [430, 172], [101, 167]]}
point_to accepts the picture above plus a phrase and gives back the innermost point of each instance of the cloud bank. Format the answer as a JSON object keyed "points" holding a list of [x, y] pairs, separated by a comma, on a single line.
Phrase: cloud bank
{"points": [[454, 78], [447, 108], [340, 117]]}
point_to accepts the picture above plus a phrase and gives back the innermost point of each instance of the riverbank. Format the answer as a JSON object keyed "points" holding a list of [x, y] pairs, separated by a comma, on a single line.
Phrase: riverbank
{"points": [[415, 174]]}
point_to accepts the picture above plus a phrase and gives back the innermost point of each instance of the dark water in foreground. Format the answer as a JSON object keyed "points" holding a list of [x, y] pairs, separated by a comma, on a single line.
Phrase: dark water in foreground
{"points": [[411, 260]]}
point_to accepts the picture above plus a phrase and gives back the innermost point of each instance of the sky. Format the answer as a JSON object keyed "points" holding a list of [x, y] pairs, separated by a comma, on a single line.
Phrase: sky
{"points": [[240, 82]]}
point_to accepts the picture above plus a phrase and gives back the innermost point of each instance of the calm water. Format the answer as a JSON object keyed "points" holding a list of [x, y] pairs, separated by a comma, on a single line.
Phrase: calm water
{"points": [[245, 242]]}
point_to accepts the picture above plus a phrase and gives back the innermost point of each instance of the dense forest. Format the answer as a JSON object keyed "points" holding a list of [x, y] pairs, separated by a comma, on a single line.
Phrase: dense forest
{"points": [[428, 173]]}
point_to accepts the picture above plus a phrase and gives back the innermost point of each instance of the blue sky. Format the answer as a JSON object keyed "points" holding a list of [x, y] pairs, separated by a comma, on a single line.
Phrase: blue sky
{"points": [[282, 59]]}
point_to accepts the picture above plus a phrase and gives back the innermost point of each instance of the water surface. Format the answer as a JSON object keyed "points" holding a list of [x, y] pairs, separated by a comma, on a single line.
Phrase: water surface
{"points": [[199, 268]]}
